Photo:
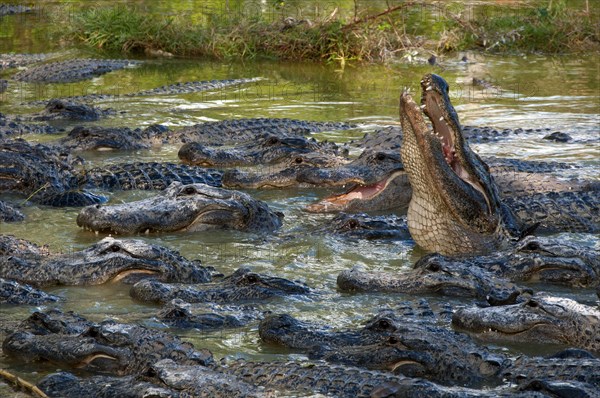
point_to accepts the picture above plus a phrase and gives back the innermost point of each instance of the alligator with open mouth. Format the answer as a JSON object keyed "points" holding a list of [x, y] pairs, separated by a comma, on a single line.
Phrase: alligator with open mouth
{"points": [[241, 286], [49, 176], [109, 259], [191, 207], [397, 343], [541, 318]]}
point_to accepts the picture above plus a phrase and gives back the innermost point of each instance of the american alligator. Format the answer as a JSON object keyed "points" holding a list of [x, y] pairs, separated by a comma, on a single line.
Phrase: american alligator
{"points": [[192, 207], [8, 61], [421, 349], [171, 89], [48, 176], [541, 318], [9, 214], [61, 109], [71, 70], [239, 379], [263, 149], [11, 127], [448, 279], [281, 175], [106, 347], [10, 9], [108, 260], [96, 138], [206, 316], [13, 292], [363, 226], [455, 207], [533, 259], [241, 286], [245, 130]]}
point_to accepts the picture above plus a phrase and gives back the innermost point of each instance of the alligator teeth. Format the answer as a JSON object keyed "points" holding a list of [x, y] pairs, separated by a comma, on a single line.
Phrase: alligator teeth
{"points": [[147, 231], [423, 106], [96, 232], [428, 88], [441, 118]]}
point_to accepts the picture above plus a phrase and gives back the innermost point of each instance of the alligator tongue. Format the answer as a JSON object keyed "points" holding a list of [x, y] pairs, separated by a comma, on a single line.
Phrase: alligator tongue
{"points": [[358, 192]]}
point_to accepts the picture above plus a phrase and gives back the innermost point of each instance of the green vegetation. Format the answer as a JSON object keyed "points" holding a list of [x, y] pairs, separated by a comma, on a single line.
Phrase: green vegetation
{"points": [[552, 28]]}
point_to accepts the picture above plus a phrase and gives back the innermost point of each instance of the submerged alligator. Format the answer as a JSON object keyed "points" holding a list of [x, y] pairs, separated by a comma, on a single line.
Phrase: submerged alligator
{"points": [[13, 292], [108, 260], [241, 286], [61, 109], [71, 70], [49, 176], [540, 319], [10, 214], [263, 149], [533, 259], [422, 349], [191, 207]]}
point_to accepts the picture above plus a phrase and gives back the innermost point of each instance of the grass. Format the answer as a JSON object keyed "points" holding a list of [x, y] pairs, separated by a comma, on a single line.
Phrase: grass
{"points": [[554, 28]]}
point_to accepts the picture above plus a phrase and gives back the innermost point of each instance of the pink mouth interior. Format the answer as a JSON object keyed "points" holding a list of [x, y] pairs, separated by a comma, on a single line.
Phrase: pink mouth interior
{"points": [[359, 192]]}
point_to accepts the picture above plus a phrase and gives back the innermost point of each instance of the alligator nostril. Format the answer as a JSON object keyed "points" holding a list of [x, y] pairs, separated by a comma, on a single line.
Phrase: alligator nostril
{"points": [[97, 206]]}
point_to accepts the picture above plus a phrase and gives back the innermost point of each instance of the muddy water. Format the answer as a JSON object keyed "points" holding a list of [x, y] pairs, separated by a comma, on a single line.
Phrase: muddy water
{"points": [[533, 91]]}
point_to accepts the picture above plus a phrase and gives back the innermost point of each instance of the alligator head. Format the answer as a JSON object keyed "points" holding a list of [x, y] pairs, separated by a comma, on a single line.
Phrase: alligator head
{"points": [[431, 274], [266, 149], [63, 109], [108, 347], [95, 138], [108, 260], [539, 319], [370, 174], [242, 285], [454, 207], [192, 207]]}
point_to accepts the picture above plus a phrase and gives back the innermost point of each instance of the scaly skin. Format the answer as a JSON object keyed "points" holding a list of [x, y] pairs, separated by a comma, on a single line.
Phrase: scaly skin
{"points": [[8, 61], [96, 138], [108, 260], [264, 149], [241, 286], [107, 347], [192, 207], [62, 109], [9, 214], [448, 279], [71, 70], [455, 208], [13, 292], [364, 226], [542, 318], [182, 315]]}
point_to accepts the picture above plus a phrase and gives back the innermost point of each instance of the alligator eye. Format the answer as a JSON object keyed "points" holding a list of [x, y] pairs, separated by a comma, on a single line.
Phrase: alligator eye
{"points": [[298, 160], [533, 304], [393, 340], [380, 156], [532, 246], [189, 190], [352, 224], [59, 106], [272, 141], [384, 324], [252, 278], [434, 267], [114, 248]]}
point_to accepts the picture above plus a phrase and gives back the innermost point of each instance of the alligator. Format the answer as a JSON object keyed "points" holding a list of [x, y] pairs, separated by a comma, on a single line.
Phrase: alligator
{"points": [[71, 70], [10, 214], [421, 349], [228, 132], [97, 138], [11, 9], [363, 226], [191, 207], [533, 259], [109, 259], [48, 176], [262, 149], [107, 347], [455, 207], [448, 279], [206, 316], [13, 292], [8, 61], [241, 286], [171, 89], [541, 318], [61, 109], [16, 126]]}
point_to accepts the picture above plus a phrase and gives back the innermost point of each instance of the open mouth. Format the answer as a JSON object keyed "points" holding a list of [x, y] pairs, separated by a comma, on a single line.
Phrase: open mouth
{"points": [[132, 274], [358, 192]]}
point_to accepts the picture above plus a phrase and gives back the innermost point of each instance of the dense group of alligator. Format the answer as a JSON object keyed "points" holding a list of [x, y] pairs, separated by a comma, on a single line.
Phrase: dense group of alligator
{"points": [[479, 217]]}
